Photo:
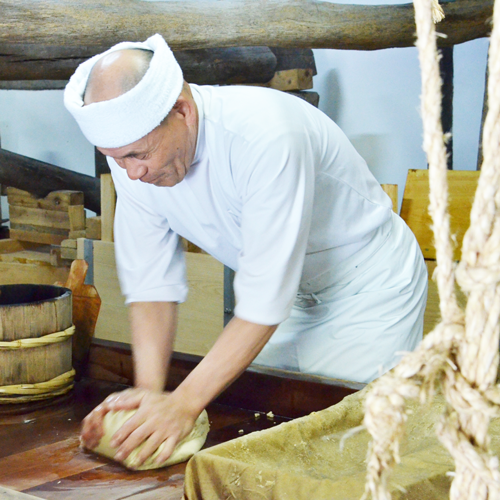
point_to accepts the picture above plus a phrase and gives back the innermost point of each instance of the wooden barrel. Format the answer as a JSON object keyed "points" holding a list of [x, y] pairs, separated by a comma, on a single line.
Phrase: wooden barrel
{"points": [[35, 342]]}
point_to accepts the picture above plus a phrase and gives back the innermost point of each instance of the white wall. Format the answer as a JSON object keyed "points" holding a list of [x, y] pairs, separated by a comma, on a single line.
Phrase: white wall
{"points": [[373, 96]]}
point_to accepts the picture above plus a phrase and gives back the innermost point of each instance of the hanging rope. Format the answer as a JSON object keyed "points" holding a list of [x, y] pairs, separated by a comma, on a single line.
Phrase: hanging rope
{"points": [[461, 354], [437, 11]]}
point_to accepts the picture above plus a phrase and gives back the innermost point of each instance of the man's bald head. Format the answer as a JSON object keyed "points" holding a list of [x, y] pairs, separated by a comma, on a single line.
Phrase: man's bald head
{"points": [[116, 73]]}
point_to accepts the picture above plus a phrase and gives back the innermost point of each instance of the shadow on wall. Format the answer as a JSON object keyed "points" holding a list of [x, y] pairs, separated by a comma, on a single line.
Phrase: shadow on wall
{"points": [[374, 148], [331, 95]]}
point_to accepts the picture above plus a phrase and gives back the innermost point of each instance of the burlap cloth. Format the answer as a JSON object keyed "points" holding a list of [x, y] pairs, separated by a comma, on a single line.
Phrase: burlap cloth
{"points": [[303, 459]]}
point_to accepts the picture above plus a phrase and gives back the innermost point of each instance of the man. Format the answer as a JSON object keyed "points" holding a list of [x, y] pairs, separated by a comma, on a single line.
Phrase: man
{"points": [[328, 279]]}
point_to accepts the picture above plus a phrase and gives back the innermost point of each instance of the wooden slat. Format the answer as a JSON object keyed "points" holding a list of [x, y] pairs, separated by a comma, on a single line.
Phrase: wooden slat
{"points": [[45, 220], [200, 317], [35, 234], [432, 314], [391, 190], [414, 210], [39, 217], [56, 200], [108, 202]]}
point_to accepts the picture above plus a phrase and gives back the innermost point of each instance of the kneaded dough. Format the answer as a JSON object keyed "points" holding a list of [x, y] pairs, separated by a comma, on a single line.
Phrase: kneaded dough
{"points": [[191, 444]]}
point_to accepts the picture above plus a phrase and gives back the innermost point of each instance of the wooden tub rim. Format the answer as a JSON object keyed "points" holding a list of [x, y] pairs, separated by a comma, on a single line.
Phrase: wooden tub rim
{"points": [[65, 292]]}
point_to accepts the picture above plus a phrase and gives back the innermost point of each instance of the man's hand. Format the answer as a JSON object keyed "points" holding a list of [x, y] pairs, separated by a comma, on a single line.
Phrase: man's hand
{"points": [[160, 418]]}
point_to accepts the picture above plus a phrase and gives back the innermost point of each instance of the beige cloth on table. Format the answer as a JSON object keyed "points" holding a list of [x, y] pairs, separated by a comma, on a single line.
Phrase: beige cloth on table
{"points": [[302, 459]]}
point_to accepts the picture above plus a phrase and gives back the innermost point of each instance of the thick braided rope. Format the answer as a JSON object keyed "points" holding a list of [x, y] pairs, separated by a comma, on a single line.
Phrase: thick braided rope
{"points": [[460, 354], [51, 338], [55, 384]]}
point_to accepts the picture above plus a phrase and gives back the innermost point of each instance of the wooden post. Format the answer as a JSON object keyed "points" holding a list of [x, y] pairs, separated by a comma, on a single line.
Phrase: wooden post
{"points": [[446, 70], [108, 202]]}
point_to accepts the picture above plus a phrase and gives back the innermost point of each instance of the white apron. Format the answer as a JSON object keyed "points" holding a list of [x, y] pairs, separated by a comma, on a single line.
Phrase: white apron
{"points": [[358, 328]]}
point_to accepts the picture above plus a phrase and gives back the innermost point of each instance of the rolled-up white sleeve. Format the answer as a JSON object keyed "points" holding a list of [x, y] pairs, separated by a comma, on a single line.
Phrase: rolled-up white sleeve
{"points": [[277, 193], [149, 256]]}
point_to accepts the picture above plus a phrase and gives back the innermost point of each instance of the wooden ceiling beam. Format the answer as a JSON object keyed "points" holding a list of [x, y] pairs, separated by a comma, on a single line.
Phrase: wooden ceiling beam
{"points": [[90, 25]]}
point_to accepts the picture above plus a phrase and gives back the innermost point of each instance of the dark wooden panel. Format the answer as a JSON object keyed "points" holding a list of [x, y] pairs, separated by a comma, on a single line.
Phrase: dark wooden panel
{"points": [[263, 389]]}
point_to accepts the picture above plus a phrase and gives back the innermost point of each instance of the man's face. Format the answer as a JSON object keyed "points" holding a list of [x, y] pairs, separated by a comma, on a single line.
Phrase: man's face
{"points": [[162, 157]]}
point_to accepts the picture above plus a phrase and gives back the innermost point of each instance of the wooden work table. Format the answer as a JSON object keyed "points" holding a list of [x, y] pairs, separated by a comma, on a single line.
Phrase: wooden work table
{"points": [[40, 453]]}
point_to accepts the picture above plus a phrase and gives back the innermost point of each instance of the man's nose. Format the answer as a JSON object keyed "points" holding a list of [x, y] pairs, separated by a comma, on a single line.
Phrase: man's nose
{"points": [[135, 169]]}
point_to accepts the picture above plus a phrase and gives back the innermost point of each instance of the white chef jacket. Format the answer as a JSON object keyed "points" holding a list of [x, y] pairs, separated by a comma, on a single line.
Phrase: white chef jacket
{"points": [[275, 192]]}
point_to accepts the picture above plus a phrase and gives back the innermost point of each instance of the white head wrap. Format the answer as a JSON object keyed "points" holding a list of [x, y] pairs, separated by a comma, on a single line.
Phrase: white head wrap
{"points": [[129, 117]]}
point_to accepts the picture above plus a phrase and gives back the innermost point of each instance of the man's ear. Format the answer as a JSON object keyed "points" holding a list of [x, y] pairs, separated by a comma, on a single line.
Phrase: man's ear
{"points": [[187, 108]]}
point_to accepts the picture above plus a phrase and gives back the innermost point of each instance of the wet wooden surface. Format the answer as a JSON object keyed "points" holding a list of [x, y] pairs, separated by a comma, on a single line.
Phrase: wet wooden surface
{"points": [[40, 453]]}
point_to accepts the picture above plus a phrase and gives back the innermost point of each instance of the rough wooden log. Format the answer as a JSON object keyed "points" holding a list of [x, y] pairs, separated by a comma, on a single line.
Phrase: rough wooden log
{"points": [[230, 23], [294, 59], [204, 66], [40, 178], [227, 65]]}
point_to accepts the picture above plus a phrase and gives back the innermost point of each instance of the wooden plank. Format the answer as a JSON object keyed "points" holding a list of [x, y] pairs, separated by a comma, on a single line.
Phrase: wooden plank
{"points": [[69, 243], [292, 79], [77, 217], [56, 200], [55, 219], [112, 323], [32, 233], [93, 228], [414, 209], [108, 202], [391, 190], [42, 257], [42, 273], [7, 494], [24, 470], [68, 253], [75, 235], [9, 245], [200, 317], [202, 24], [113, 482]]}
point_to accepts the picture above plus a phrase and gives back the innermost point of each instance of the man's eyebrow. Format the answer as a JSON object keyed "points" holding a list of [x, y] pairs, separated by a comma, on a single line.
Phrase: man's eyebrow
{"points": [[129, 155]]}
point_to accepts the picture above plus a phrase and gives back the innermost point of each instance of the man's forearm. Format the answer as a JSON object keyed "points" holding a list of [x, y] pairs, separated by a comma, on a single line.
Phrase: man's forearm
{"points": [[235, 349], [153, 327]]}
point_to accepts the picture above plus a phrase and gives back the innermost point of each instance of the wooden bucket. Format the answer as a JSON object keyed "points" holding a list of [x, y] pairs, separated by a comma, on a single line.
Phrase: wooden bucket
{"points": [[35, 342]]}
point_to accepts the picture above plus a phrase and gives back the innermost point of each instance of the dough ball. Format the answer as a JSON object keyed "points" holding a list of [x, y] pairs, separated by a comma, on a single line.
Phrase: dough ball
{"points": [[191, 444]]}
